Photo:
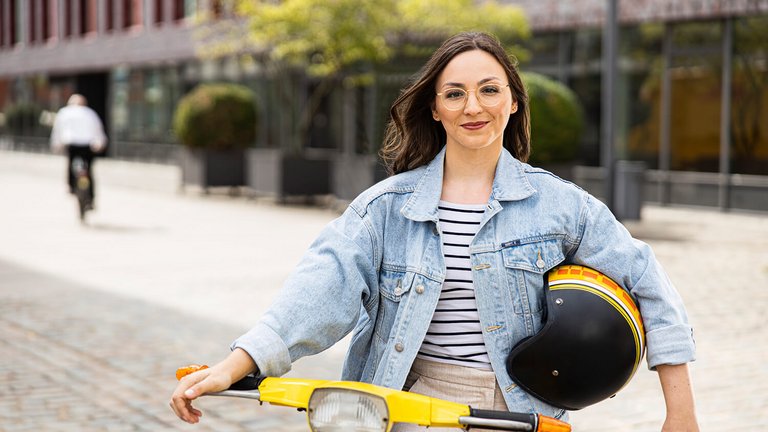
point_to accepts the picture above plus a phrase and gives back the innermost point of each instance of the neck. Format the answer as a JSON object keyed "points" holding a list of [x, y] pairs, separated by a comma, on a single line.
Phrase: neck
{"points": [[468, 175]]}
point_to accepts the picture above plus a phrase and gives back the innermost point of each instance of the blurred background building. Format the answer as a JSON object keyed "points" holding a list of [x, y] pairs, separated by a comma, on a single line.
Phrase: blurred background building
{"points": [[692, 90]]}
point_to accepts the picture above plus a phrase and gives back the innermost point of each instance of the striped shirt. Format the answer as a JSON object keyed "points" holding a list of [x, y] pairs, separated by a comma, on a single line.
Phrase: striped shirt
{"points": [[455, 335]]}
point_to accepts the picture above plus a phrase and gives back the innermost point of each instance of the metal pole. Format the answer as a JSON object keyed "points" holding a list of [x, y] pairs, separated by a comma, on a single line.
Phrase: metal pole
{"points": [[610, 42], [665, 152], [724, 191]]}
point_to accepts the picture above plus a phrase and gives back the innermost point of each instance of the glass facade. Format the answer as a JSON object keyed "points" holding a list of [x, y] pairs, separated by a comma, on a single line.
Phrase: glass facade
{"points": [[749, 87], [693, 65], [640, 81], [143, 101], [696, 99]]}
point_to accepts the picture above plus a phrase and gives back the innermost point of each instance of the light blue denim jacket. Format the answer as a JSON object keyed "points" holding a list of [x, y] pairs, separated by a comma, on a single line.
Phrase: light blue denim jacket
{"points": [[378, 269]]}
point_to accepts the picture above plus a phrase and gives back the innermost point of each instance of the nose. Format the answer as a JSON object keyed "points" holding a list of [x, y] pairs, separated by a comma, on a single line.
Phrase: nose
{"points": [[473, 104]]}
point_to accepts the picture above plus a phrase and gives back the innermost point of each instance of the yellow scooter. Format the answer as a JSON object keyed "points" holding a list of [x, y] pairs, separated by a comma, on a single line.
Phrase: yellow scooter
{"points": [[335, 406]]}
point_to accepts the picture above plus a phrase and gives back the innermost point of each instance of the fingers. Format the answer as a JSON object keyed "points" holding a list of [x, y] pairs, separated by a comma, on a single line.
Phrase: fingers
{"points": [[193, 386], [187, 390], [185, 411]]}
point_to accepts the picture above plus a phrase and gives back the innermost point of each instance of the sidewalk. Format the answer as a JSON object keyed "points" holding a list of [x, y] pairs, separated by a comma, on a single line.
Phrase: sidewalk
{"points": [[94, 319]]}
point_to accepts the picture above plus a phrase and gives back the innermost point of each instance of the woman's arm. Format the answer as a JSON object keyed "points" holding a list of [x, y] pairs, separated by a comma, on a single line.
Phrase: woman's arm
{"points": [[678, 395]]}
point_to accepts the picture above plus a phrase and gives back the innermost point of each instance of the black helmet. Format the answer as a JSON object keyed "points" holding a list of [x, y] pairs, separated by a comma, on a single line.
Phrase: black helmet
{"points": [[591, 343]]}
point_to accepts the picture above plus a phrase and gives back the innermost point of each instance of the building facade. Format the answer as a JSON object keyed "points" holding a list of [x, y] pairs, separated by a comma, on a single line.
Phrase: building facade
{"points": [[691, 102]]}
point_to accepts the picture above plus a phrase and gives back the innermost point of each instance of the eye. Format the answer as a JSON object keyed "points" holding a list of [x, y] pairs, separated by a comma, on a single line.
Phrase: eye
{"points": [[454, 94], [490, 89]]}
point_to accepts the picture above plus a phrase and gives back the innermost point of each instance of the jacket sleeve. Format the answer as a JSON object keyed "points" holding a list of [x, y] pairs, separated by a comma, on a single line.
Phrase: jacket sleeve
{"points": [[320, 301], [607, 246]]}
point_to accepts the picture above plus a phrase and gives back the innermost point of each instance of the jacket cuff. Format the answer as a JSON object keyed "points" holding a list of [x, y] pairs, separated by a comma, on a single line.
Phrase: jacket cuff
{"points": [[670, 345], [267, 350]]}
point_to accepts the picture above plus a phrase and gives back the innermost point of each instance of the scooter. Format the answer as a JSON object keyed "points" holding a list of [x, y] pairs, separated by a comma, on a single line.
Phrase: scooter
{"points": [[336, 406], [79, 169]]}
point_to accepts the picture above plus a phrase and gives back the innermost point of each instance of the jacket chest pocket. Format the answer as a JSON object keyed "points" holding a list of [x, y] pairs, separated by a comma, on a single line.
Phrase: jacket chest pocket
{"points": [[526, 262], [393, 288]]}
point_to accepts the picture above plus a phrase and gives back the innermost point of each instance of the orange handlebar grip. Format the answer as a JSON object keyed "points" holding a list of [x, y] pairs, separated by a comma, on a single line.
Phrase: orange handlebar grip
{"points": [[549, 424], [186, 370]]}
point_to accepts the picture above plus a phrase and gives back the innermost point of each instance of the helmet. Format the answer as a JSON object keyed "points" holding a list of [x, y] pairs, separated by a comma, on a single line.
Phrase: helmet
{"points": [[591, 343]]}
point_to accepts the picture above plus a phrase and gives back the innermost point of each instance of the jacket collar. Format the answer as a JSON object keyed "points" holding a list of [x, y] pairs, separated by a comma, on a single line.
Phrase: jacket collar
{"points": [[510, 183]]}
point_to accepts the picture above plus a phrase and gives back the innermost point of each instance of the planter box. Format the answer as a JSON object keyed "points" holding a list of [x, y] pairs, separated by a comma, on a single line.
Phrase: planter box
{"points": [[352, 174], [210, 168], [272, 172]]}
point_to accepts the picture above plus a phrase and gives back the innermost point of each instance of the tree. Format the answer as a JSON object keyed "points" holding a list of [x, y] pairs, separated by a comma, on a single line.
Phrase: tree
{"points": [[339, 42]]}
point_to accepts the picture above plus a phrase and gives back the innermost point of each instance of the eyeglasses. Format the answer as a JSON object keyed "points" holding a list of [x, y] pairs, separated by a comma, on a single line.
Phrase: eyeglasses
{"points": [[488, 95]]}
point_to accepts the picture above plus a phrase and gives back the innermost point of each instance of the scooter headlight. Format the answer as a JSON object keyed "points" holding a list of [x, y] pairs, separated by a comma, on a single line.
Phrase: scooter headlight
{"points": [[336, 410]]}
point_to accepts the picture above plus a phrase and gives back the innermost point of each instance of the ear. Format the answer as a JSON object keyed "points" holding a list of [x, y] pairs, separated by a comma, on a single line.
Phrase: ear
{"points": [[435, 116], [514, 107]]}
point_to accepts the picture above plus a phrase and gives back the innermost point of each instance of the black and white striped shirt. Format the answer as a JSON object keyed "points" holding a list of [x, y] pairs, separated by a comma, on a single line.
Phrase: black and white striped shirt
{"points": [[455, 335]]}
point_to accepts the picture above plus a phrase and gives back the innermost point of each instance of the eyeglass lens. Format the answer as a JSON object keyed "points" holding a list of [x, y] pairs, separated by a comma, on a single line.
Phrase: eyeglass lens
{"points": [[487, 95]]}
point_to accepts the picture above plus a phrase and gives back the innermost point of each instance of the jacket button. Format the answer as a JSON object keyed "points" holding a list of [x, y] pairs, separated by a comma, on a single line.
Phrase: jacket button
{"points": [[398, 291], [420, 289], [399, 347]]}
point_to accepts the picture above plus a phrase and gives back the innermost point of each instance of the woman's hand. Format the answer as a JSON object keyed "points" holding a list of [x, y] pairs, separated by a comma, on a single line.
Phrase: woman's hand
{"points": [[204, 381], [209, 380]]}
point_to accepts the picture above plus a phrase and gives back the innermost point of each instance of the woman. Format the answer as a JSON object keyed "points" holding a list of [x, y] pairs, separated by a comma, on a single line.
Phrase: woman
{"points": [[433, 244]]}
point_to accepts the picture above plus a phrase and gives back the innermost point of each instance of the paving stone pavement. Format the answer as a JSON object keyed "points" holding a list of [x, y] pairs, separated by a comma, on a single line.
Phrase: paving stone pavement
{"points": [[94, 319], [79, 359]]}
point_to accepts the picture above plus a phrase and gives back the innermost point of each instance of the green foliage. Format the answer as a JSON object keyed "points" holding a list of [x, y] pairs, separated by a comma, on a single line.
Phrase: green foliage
{"points": [[319, 35], [216, 116], [557, 120], [341, 42], [23, 118], [330, 37], [438, 19]]}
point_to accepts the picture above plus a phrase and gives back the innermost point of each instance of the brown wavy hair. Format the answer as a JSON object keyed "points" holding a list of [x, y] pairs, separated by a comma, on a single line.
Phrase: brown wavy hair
{"points": [[413, 137]]}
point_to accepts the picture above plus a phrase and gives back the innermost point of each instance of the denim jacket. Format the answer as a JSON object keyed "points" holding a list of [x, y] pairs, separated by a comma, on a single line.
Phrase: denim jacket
{"points": [[378, 270]]}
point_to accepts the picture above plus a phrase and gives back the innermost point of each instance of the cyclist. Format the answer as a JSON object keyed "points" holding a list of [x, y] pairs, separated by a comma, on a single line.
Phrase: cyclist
{"points": [[78, 130], [438, 270]]}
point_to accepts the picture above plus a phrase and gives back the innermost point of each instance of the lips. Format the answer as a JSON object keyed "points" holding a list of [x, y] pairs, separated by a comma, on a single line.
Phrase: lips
{"points": [[474, 125]]}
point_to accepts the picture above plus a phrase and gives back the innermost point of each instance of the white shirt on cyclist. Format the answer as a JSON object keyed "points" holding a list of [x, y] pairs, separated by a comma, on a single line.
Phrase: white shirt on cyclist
{"points": [[77, 125]]}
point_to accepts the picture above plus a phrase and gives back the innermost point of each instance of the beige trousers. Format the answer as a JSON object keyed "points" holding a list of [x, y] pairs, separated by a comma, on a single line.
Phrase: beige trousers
{"points": [[465, 385]]}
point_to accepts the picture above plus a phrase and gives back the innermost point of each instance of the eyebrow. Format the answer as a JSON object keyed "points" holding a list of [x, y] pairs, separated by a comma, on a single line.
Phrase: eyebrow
{"points": [[460, 85]]}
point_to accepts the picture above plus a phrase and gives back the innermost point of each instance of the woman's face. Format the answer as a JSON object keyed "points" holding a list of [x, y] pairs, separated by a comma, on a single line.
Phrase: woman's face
{"points": [[474, 126]]}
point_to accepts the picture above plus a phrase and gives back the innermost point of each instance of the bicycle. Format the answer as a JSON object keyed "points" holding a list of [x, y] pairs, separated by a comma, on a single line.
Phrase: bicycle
{"points": [[335, 406], [80, 170]]}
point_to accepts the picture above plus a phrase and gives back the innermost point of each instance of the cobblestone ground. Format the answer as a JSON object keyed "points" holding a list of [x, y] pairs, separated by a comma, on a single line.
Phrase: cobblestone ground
{"points": [[94, 319], [76, 359]]}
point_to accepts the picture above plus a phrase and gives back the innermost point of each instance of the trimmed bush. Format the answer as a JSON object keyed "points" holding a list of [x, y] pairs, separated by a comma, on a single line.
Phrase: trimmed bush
{"points": [[23, 119], [557, 120], [216, 116]]}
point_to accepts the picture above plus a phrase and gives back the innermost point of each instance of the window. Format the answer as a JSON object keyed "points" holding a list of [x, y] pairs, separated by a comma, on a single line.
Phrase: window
{"points": [[48, 28], [17, 29], [695, 99], [32, 21], [133, 13], [158, 18], [749, 96], [109, 11], [88, 16], [67, 8]]}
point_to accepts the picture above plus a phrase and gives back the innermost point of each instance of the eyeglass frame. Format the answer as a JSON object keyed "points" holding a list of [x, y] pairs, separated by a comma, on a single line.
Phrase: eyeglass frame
{"points": [[442, 100]]}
